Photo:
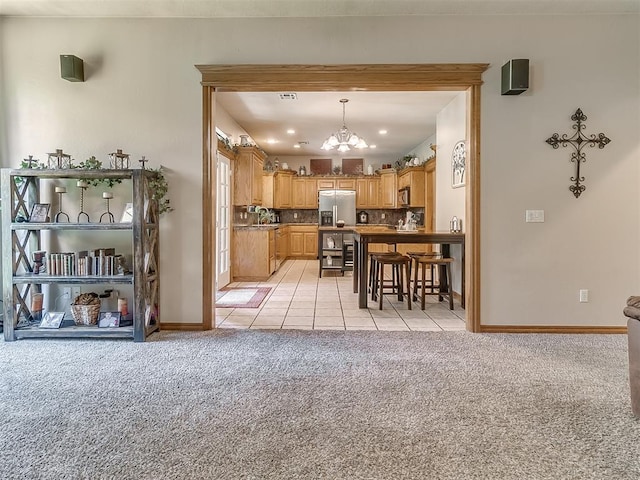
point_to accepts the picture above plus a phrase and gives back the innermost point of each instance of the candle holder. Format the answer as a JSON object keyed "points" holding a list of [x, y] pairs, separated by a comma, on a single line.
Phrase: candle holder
{"points": [[59, 159], [82, 185], [58, 218], [119, 160], [107, 196]]}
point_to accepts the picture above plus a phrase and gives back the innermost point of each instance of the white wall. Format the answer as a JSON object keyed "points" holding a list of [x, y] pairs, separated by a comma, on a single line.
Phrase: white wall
{"points": [[451, 126], [142, 94]]}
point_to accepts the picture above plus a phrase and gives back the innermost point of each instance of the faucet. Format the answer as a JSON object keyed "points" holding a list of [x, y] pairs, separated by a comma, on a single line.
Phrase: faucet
{"points": [[264, 215]]}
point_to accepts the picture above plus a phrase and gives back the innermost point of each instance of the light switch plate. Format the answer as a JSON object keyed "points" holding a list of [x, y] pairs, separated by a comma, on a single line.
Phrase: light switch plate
{"points": [[534, 216]]}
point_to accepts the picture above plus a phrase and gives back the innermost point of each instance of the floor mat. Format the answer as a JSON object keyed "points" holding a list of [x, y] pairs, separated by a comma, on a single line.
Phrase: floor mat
{"points": [[241, 297]]}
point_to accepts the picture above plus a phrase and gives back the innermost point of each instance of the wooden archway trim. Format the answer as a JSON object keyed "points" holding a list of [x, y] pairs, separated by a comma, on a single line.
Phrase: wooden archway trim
{"points": [[369, 77]]}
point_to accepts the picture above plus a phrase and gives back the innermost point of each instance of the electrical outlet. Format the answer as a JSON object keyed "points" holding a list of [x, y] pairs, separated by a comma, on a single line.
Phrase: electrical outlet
{"points": [[584, 296], [383, 216], [295, 214], [534, 216]]}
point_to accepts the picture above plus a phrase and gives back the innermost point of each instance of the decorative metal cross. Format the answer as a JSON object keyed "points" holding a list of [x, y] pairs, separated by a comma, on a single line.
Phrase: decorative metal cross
{"points": [[143, 161], [578, 141], [30, 161]]}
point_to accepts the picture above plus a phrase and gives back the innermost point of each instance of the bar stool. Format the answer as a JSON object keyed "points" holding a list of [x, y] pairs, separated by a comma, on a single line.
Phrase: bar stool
{"points": [[399, 263], [373, 272], [413, 271], [444, 264]]}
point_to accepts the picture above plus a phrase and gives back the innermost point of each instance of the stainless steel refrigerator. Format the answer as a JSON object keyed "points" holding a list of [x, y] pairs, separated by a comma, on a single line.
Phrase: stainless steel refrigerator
{"points": [[336, 205]]}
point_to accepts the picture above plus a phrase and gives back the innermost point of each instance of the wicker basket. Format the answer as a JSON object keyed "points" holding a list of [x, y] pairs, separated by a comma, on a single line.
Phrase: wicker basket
{"points": [[85, 314]]}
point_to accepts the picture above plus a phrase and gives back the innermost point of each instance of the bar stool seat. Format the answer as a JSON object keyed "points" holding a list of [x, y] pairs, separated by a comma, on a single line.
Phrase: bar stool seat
{"points": [[400, 266], [414, 269], [373, 271], [422, 262]]}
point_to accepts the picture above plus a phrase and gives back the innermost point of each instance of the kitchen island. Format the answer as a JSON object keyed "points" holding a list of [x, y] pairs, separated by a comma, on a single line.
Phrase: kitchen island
{"points": [[363, 236]]}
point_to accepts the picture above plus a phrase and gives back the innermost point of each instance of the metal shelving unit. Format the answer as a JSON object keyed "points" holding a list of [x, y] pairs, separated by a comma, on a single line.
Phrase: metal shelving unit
{"points": [[335, 250]]}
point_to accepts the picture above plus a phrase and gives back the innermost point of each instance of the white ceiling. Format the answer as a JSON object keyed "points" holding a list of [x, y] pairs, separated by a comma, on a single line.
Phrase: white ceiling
{"points": [[409, 118], [308, 8]]}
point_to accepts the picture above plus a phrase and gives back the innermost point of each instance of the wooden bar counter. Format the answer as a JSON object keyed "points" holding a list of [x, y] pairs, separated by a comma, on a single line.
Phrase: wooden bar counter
{"points": [[363, 236]]}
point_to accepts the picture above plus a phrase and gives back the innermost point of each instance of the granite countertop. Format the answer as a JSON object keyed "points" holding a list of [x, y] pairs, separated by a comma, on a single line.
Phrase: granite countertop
{"points": [[269, 226]]}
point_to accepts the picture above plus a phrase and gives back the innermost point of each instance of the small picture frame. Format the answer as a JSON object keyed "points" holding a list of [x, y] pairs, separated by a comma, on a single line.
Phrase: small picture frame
{"points": [[52, 320], [109, 320], [127, 213], [39, 213]]}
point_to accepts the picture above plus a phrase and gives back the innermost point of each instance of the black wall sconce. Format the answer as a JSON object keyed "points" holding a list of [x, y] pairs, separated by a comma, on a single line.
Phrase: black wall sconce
{"points": [[71, 68], [578, 141], [515, 76]]}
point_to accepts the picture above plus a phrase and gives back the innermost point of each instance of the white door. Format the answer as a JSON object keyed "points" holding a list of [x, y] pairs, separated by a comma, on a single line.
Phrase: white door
{"points": [[223, 223]]}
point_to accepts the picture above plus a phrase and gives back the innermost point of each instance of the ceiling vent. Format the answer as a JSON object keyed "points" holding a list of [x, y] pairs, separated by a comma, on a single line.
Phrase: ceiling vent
{"points": [[288, 96]]}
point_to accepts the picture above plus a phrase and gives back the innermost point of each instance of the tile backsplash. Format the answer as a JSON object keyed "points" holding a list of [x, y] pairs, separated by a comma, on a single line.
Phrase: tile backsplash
{"points": [[391, 217]]}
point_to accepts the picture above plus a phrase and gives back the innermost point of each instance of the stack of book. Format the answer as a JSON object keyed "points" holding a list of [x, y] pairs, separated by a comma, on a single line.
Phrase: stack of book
{"points": [[99, 262]]}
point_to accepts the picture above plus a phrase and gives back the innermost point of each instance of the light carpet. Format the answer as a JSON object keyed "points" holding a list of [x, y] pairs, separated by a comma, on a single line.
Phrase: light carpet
{"points": [[289, 404]]}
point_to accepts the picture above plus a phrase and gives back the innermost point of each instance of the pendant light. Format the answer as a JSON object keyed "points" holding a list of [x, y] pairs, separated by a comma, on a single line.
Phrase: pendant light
{"points": [[343, 139]]}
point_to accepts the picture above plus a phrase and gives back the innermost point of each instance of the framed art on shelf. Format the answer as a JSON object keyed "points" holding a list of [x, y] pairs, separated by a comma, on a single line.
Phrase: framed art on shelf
{"points": [[52, 320], [127, 213], [109, 319], [39, 212]]}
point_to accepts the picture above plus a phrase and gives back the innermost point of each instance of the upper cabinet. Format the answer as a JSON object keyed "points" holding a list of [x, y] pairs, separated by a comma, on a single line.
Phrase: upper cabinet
{"points": [[388, 189], [414, 179], [247, 172], [368, 192], [304, 193], [277, 189]]}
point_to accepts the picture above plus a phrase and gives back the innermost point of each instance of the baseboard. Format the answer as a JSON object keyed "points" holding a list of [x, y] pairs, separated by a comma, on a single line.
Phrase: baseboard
{"points": [[185, 327], [550, 329]]}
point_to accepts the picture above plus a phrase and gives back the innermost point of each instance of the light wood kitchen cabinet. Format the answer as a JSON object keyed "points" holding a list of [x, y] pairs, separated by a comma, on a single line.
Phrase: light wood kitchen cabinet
{"points": [[326, 184], [388, 189], [282, 245], [276, 189], [368, 192], [414, 178], [346, 183], [303, 241], [254, 256], [247, 176], [304, 193]]}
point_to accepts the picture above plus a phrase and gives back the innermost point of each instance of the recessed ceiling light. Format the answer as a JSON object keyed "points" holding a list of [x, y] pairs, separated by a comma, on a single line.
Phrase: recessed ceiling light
{"points": [[271, 141], [291, 131], [373, 146], [382, 132], [297, 145]]}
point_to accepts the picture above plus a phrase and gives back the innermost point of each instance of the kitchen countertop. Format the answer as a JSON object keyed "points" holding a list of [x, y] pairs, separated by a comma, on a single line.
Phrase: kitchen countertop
{"points": [[269, 226]]}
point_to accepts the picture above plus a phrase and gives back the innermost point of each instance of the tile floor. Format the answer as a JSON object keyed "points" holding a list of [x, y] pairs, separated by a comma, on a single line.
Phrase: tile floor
{"points": [[300, 300]]}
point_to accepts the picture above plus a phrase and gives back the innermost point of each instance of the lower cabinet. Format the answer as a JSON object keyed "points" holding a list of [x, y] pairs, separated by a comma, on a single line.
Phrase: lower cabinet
{"points": [[303, 241], [254, 256]]}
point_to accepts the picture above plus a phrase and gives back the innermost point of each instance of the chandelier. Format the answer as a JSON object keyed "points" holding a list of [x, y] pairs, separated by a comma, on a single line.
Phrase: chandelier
{"points": [[343, 139]]}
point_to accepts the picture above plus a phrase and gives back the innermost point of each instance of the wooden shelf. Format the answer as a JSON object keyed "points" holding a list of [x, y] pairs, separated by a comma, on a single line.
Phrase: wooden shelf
{"points": [[70, 226], [21, 189], [72, 279]]}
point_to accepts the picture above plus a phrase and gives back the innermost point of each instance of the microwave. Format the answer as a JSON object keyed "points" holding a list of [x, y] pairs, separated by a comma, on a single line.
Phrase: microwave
{"points": [[403, 197]]}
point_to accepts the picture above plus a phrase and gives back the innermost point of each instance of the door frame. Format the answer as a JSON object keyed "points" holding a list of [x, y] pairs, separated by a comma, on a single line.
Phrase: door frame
{"points": [[318, 78]]}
